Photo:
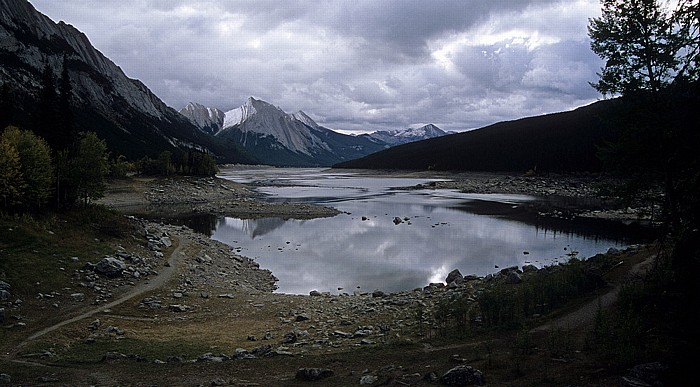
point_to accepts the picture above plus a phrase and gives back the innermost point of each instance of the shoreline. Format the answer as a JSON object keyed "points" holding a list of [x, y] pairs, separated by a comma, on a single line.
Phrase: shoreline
{"points": [[209, 288], [559, 197]]}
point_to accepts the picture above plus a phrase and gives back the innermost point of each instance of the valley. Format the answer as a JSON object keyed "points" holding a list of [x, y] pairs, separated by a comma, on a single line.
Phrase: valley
{"points": [[210, 313]]}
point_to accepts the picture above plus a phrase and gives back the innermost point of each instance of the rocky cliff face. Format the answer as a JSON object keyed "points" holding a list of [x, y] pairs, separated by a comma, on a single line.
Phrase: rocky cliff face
{"points": [[102, 98], [279, 138]]}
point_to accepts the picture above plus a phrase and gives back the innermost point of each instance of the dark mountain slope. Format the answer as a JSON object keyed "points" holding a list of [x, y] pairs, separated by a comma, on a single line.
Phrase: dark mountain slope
{"points": [[560, 142], [56, 83]]}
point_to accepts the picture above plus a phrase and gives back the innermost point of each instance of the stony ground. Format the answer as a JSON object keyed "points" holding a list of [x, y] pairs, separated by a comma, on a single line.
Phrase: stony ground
{"points": [[181, 298]]}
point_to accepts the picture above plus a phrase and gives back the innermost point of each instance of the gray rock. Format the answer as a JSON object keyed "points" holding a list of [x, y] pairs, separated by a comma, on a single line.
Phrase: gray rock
{"points": [[110, 267], [78, 297], [301, 317], [378, 294], [243, 354], [313, 374], [368, 379], [513, 278], [264, 350], [174, 360], [5, 295], [529, 268], [289, 338], [94, 324], [462, 375], [178, 308], [397, 220], [166, 241], [5, 286], [315, 293], [211, 358], [5, 378], [508, 270], [455, 276]]}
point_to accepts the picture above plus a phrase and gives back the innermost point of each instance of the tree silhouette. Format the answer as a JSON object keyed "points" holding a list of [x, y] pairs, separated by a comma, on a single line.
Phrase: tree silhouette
{"points": [[650, 54]]}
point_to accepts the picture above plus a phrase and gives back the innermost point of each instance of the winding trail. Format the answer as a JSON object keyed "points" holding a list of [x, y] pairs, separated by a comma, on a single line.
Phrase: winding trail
{"points": [[164, 275], [587, 313]]}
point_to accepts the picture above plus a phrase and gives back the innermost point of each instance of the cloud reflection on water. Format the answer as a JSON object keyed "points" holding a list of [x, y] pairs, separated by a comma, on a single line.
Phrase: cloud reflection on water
{"points": [[347, 252]]}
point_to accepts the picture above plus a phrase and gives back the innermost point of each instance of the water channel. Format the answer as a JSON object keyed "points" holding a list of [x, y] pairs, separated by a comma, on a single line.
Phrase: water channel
{"points": [[366, 247]]}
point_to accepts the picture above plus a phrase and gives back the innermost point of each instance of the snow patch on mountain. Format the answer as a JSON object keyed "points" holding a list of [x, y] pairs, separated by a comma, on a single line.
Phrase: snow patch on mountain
{"points": [[398, 137], [210, 120]]}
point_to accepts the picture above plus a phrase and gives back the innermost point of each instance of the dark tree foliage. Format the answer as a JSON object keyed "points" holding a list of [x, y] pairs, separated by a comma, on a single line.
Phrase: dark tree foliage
{"points": [[64, 118], [54, 120], [188, 163], [651, 55]]}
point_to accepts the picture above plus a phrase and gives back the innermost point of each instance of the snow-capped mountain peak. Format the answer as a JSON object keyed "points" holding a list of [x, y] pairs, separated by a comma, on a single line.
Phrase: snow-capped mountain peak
{"points": [[210, 120], [280, 138], [398, 137]]}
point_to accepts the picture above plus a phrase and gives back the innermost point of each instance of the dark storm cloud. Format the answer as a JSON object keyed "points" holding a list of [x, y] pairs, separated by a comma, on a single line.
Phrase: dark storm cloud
{"points": [[352, 65]]}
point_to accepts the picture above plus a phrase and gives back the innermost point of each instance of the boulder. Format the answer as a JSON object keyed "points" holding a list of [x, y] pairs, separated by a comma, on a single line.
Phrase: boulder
{"points": [[513, 278], [5, 286], [462, 375], [313, 374], [110, 267], [166, 241], [455, 276], [5, 295], [529, 268], [289, 338]]}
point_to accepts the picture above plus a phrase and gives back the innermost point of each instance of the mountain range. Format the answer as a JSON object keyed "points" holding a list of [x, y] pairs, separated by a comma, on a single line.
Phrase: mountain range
{"points": [[55, 82], [279, 138], [560, 142]]}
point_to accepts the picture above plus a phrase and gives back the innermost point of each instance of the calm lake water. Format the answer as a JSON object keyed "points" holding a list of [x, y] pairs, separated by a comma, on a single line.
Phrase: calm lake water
{"points": [[365, 249]]}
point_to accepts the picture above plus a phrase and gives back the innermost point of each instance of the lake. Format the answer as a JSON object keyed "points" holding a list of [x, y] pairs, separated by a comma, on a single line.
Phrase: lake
{"points": [[395, 239]]}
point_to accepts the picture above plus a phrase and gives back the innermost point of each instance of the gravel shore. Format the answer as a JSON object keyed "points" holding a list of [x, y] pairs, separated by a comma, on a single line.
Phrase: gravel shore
{"points": [[191, 195]]}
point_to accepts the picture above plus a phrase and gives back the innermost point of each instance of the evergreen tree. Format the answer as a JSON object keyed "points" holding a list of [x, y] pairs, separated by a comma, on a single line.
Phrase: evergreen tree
{"points": [[48, 108], [64, 118], [651, 57]]}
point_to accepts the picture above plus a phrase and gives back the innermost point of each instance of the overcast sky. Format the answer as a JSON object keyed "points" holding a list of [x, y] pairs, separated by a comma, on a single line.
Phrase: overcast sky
{"points": [[352, 65]]}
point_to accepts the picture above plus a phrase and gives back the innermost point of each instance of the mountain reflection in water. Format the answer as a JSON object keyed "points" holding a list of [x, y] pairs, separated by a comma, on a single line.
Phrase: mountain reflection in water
{"points": [[363, 248]]}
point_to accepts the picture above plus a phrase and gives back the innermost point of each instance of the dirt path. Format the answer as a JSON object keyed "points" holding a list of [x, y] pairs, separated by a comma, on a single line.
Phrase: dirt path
{"points": [[586, 315], [154, 283]]}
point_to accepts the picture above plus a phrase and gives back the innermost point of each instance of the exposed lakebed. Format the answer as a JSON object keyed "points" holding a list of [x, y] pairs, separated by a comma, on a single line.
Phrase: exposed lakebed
{"points": [[393, 238]]}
